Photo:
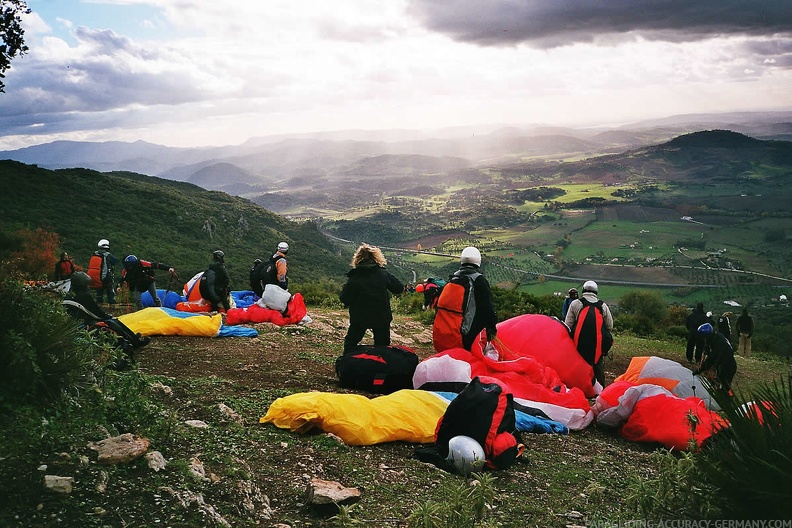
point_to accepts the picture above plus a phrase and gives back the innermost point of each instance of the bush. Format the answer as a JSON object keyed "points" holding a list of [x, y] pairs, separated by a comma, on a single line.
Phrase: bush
{"points": [[43, 355], [749, 462], [323, 293]]}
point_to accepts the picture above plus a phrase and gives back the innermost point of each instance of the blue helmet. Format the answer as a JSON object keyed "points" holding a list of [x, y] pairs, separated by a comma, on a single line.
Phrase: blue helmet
{"points": [[131, 260], [705, 330]]}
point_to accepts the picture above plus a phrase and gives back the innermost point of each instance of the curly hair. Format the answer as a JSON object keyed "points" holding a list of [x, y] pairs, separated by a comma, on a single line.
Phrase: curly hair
{"points": [[368, 254]]}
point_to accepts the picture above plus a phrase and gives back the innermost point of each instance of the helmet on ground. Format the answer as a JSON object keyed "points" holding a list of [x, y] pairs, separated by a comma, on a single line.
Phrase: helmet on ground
{"points": [[465, 455], [104, 244], [590, 286], [80, 280], [470, 255], [283, 247], [130, 260], [705, 330], [218, 255]]}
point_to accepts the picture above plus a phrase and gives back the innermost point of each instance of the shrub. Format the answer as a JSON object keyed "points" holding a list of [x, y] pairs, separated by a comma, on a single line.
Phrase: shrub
{"points": [[43, 356], [749, 462]]}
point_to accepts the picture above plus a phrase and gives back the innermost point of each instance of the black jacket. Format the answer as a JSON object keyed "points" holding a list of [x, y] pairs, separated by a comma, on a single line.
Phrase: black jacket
{"points": [[485, 316], [367, 295], [694, 320]]}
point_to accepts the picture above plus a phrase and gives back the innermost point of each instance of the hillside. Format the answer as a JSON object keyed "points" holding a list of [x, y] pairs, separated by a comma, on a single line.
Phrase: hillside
{"points": [[161, 220]]}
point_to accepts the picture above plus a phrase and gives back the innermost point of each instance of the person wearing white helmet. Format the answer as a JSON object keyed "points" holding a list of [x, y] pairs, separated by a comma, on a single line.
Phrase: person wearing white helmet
{"points": [[276, 269], [478, 310], [593, 341], [101, 269]]}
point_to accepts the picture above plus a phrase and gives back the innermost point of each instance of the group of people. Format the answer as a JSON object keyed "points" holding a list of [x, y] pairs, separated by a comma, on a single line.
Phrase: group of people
{"points": [[709, 343]]}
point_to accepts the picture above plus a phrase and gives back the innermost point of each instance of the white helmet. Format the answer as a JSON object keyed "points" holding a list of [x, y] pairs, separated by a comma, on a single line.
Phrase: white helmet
{"points": [[465, 455], [104, 244], [471, 255], [283, 247], [590, 286]]}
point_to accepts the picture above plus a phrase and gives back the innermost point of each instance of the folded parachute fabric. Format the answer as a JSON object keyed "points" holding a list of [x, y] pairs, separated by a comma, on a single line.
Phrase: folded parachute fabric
{"points": [[295, 313], [651, 413], [165, 321], [546, 339], [533, 384], [168, 298], [668, 374], [407, 415], [244, 298]]}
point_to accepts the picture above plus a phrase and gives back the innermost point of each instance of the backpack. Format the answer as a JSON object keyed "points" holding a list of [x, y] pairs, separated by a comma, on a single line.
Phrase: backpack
{"points": [[484, 411], [592, 339], [65, 268], [456, 307], [268, 271], [98, 270], [377, 369]]}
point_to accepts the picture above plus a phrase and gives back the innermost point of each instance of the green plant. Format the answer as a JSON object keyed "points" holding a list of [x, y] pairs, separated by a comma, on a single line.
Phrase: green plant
{"points": [[43, 355], [750, 462], [675, 492], [466, 504]]}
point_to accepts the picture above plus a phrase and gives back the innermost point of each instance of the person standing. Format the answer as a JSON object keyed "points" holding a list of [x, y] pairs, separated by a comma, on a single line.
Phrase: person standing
{"points": [[572, 294], [745, 329], [694, 320], [101, 269], [253, 280], [367, 294], [590, 322], [138, 275], [277, 269], [64, 268], [724, 325], [718, 354], [461, 316], [215, 282]]}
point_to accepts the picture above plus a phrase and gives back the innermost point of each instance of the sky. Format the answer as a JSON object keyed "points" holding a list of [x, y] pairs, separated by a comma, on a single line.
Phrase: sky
{"points": [[190, 73]]}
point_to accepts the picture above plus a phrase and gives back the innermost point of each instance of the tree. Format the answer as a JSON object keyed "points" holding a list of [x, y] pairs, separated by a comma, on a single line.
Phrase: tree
{"points": [[12, 35]]}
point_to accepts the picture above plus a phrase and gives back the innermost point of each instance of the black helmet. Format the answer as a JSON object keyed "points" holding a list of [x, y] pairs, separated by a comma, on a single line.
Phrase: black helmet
{"points": [[218, 255], [80, 281], [257, 262]]}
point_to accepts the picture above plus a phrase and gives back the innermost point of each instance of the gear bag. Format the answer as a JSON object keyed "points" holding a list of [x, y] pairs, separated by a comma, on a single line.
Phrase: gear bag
{"points": [[592, 339], [98, 270], [268, 272], [484, 411], [456, 307], [377, 369]]}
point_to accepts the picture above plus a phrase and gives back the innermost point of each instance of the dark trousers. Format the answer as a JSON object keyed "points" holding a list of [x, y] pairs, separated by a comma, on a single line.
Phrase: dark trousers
{"points": [[599, 371], [356, 332], [694, 344]]}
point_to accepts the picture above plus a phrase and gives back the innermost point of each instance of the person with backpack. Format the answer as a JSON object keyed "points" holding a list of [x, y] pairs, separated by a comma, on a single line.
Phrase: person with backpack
{"points": [[590, 323], [253, 278], [80, 305], [101, 269], [431, 292], [138, 275], [572, 294], [718, 354], [215, 283], [367, 295], [465, 307], [64, 268], [694, 320], [276, 269]]}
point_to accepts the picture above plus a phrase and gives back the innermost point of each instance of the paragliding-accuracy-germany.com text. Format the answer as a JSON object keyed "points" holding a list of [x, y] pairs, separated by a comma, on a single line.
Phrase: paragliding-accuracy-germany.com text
{"points": [[687, 523]]}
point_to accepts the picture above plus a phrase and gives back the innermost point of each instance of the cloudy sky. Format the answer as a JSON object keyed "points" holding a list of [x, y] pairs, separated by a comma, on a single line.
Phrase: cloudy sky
{"points": [[199, 72]]}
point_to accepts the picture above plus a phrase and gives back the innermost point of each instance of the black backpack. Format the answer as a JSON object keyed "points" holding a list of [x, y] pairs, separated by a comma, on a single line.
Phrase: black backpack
{"points": [[484, 411], [377, 369], [268, 271]]}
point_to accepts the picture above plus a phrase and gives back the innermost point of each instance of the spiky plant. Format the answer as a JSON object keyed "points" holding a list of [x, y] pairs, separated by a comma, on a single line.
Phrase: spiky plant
{"points": [[750, 462]]}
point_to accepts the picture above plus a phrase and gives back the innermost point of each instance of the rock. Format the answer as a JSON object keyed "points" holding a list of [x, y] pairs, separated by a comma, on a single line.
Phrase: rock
{"points": [[101, 487], [230, 414], [335, 438], [58, 484], [156, 461], [197, 468], [119, 449], [186, 498], [198, 424], [164, 390], [326, 492]]}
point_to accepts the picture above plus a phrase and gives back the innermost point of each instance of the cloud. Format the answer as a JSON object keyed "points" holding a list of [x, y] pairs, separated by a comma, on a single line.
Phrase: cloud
{"points": [[553, 23]]}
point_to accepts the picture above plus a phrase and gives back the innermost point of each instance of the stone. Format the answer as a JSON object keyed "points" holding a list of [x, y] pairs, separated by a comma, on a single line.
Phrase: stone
{"points": [[198, 424], [230, 414], [120, 449], [156, 461], [58, 484], [326, 492]]}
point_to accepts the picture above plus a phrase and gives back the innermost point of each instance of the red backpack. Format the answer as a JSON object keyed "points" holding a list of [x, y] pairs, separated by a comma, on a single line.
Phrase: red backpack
{"points": [[592, 338], [484, 411], [455, 310]]}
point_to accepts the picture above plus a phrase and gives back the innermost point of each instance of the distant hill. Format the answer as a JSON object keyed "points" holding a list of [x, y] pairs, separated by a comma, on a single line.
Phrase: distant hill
{"points": [[221, 176], [156, 219]]}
